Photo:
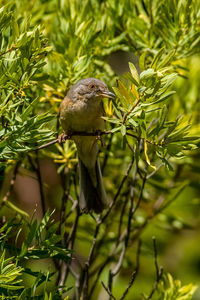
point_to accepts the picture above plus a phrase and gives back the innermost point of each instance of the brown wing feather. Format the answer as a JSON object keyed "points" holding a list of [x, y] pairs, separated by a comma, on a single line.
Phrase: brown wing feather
{"points": [[64, 109]]}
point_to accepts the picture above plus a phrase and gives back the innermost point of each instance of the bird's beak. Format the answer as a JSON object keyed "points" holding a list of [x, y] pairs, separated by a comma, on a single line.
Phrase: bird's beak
{"points": [[107, 94]]}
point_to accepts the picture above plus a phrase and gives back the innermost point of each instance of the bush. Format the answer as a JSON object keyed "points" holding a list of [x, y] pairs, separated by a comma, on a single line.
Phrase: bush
{"points": [[150, 162]]}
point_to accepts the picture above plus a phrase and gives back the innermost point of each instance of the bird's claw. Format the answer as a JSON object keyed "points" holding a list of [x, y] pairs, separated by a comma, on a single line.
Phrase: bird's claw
{"points": [[63, 137], [99, 137]]}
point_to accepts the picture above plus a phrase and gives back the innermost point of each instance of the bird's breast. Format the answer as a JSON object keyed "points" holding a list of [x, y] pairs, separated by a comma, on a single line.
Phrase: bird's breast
{"points": [[83, 116]]}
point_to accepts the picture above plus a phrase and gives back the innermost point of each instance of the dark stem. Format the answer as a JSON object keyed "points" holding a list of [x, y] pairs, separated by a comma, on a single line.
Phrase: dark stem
{"points": [[11, 186], [107, 153], [81, 133], [130, 111], [119, 190], [135, 272], [42, 197], [108, 291], [159, 271]]}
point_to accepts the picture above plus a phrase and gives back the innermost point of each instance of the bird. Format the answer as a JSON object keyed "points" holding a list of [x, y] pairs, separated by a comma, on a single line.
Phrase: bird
{"points": [[81, 111]]}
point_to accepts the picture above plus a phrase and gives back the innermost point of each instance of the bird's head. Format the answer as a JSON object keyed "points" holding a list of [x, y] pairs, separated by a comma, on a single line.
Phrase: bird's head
{"points": [[89, 88]]}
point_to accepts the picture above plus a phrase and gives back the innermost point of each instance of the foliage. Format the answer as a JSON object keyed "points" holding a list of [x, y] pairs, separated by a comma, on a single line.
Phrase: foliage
{"points": [[171, 289], [10, 275], [152, 141], [40, 241]]}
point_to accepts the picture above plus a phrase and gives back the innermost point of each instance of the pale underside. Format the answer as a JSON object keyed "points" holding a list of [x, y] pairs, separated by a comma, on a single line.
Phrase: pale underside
{"points": [[85, 117]]}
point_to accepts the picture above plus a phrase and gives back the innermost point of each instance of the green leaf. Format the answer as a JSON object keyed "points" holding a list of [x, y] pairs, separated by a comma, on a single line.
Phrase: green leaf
{"points": [[124, 93], [166, 59], [29, 238], [134, 73], [142, 61], [132, 122], [157, 58], [147, 74], [115, 129], [123, 130], [16, 209]]}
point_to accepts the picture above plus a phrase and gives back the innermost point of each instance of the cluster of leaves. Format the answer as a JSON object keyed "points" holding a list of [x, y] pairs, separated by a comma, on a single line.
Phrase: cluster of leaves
{"points": [[23, 50], [40, 240], [142, 112], [10, 275], [169, 288]]}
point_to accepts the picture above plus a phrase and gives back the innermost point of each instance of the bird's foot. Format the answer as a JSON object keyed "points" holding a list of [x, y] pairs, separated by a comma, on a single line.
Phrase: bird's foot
{"points": [[100, 137], [63, 137]]}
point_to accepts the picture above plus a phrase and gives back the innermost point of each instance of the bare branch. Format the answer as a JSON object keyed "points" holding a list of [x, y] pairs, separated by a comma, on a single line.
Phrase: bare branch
{"points": [[118, 266], [108, 291], [36, 168], [135, 272], [159, 271], [107, 153], [8, 50], [98, 135], [12, 182], [156, 258], [130, 111], [119, 189], [155, 171]]}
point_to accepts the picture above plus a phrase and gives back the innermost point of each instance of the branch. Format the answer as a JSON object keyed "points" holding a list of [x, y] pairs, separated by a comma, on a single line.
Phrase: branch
{"points": [[8, 50], [12, 182], [107, 153], [47, 145], [156, 258], [98, 135], [130, 111], [119, 189], [159, 271], [38, 172], [114, 272], [108, 291], [135, 272]]}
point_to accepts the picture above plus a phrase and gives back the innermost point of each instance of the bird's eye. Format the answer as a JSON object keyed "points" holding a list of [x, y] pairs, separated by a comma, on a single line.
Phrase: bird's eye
{"points": [[92, 86]]}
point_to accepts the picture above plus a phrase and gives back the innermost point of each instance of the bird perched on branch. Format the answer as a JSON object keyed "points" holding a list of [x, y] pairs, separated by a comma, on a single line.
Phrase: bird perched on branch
{"points": [[82, 111]]}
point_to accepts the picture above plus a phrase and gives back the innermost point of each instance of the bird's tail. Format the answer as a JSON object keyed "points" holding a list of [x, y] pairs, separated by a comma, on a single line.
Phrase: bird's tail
{"points": [[92, 198]]}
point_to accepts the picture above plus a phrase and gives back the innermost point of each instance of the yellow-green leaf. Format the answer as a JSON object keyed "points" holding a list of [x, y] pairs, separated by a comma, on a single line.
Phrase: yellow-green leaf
{"points": [[135, 92], [146, 155], [134, 73]]}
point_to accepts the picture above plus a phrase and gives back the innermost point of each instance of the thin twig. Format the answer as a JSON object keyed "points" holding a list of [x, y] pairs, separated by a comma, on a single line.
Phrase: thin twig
{"points": [[117, 268], [108, 291], [88, 262], [135, 272], [61, 265], [66, 193], [107, 153], [8, 50], [69, 244], [130, 111], [156, 258], [159, 271], [121, 220], [155, 171], [12, 182], [81, 133], [47, 145], [42, 197], [100, 270], [119, 189], [102, 220]]}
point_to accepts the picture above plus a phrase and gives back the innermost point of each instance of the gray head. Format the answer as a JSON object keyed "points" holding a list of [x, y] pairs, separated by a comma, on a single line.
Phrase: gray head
{"points": [[89, 88]]}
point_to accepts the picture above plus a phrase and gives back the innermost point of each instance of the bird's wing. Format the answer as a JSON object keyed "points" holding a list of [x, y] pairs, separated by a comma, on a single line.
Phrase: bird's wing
{"points": [[65, 106]]}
